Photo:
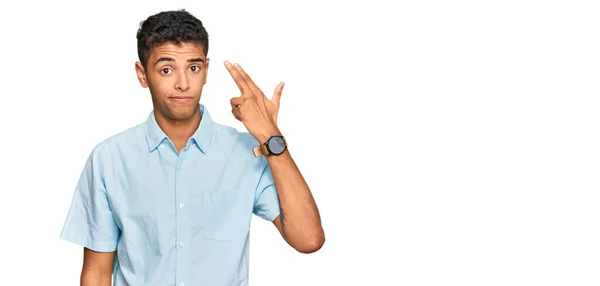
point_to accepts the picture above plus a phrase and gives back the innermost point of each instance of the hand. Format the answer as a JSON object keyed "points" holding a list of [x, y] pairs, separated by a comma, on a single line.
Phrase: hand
{"points": [[252, 107]]}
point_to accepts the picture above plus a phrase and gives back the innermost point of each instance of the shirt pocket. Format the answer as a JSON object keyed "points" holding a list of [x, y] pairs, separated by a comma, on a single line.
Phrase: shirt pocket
{"points": [[226, 215]]}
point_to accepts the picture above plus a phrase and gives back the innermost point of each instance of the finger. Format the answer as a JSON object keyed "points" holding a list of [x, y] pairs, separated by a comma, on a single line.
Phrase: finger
{"points": [[236, 113], [236, 101], [237, 78], [277, 94], [247, 79]]}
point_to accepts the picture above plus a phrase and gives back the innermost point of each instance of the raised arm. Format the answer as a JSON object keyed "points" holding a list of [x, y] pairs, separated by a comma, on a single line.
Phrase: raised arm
{"points": [[299, 221]]}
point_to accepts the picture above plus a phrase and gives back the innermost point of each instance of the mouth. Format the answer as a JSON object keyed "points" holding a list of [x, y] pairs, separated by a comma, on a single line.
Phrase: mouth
{"points": [[180, 99]]}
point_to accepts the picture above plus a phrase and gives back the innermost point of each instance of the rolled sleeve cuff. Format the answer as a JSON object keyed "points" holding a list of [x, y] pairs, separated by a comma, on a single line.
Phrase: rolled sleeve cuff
{"points": [[269, 215], [267, 206], [93, 244]]}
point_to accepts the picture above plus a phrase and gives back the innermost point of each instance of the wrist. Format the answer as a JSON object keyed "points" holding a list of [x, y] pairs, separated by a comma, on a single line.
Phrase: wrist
{"points": [[265, 135], [270, 143]]}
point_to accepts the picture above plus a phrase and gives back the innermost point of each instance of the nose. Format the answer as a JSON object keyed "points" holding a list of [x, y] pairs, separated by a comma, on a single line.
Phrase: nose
{"points": [[182, 82]]}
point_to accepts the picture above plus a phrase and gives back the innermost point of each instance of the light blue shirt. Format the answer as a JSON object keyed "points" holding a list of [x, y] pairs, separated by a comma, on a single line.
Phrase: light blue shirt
{"points": [[174, 219]]}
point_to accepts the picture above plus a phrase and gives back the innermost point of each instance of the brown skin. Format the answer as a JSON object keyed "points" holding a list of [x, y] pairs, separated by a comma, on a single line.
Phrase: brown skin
{"points": [[183, 75], [299, 222], [97, 268]]}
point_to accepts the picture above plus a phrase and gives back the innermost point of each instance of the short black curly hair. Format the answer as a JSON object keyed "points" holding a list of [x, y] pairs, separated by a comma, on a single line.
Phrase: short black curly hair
{"points": [[169, 27]]}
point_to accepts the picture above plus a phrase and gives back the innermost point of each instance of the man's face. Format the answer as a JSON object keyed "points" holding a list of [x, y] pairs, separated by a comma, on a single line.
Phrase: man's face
{"points": [[175, 75]]}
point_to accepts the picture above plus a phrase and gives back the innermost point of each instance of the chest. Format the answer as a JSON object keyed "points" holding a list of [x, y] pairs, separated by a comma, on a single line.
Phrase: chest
{"points": [[158, 190]]}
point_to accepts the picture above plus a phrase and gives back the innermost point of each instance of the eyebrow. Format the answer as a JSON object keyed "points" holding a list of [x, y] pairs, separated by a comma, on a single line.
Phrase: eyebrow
{"points": [[167, 59]]}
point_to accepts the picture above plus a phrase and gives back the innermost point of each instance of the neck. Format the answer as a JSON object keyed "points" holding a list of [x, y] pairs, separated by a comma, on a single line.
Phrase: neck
{"points": [[179, 131]]}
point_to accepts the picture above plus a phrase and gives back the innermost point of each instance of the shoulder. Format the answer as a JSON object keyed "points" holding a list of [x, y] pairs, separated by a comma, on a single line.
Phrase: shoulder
{"points": [[231, 140], [223, 133], [122, 141]]}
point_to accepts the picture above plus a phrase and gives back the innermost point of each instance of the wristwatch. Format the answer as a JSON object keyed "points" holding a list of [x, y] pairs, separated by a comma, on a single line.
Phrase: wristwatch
{"points": [[276, 145]]}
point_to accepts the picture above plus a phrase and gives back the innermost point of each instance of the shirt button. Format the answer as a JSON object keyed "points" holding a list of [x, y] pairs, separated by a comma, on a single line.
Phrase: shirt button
{"points": [[181, 284], [181, 205], [182, 244]]}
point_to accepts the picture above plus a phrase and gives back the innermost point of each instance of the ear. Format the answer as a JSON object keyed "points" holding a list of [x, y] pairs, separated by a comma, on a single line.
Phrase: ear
{"points": [[141, 74], [206, 69]]}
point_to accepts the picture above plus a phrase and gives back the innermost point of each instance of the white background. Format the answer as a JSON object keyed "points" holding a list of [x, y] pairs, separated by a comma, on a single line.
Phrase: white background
{"points": [[446, 142]]}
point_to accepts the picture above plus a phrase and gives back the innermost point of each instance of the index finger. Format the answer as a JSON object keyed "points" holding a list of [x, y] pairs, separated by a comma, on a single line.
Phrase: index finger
{"points": [[237, 77], [247, 78]]}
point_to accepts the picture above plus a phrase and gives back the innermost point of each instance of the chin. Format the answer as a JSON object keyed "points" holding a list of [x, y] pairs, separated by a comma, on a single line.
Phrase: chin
{"points": [[182, 114]]}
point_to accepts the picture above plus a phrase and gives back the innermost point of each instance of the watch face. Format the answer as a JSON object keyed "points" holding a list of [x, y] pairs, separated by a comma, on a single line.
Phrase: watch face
{"points": [[276, 145]]}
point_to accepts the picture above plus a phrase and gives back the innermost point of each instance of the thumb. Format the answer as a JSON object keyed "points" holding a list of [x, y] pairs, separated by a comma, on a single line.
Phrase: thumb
{"points": [[277, 94]]}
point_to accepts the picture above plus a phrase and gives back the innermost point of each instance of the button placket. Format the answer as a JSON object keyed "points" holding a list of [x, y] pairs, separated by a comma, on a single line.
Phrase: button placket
{"points": [[182, 221]]}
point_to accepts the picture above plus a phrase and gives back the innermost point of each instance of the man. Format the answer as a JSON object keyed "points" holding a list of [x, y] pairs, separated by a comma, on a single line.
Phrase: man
{"points": [[169, 201]]}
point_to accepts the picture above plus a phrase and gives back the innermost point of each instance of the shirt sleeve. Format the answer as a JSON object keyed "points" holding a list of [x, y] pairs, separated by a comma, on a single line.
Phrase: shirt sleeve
{"points": [[266, 204], [90, 222]]}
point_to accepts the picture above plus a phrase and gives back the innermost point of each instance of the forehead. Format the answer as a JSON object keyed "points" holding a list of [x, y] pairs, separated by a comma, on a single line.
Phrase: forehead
{"points": [[175, 51]]}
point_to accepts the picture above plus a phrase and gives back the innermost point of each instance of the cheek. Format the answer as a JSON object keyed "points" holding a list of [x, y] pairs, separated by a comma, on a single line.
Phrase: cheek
{"points": [[200, 80], [159, 86], [158, 91], [202, 75]]}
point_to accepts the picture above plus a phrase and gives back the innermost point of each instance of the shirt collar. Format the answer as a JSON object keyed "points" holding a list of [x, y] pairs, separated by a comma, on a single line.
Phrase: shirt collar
{"points": [[201, 138]]}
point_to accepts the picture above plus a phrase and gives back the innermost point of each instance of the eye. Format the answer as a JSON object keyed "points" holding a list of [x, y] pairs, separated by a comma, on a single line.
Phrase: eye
{"points": [[195, 68], [165, 70]]}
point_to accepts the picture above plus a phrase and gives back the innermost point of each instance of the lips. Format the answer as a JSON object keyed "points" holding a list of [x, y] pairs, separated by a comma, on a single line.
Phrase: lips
{"points": [[180, 99]]}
